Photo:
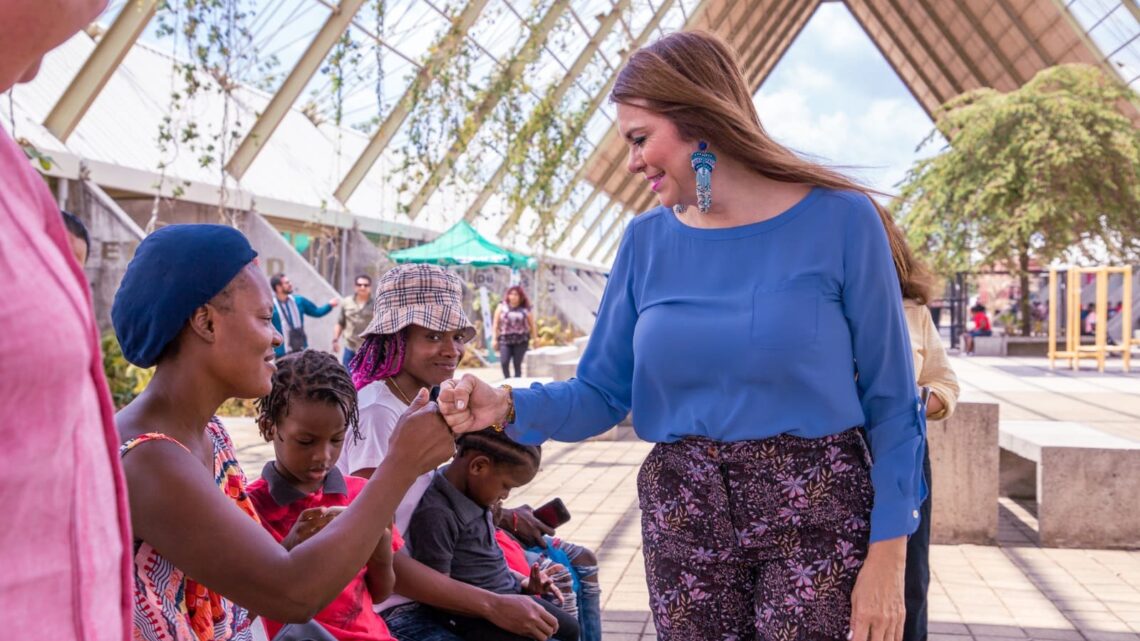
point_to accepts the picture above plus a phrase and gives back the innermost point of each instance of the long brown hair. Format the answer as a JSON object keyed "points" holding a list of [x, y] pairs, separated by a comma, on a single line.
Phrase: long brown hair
{"points": [[915, 278], [693, 78]]}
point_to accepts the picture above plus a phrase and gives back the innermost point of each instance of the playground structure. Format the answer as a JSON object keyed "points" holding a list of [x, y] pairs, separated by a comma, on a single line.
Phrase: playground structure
{"points": [[1074, 351]]}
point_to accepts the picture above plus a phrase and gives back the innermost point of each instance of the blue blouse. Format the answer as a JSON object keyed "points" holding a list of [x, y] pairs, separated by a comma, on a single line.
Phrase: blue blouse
{"points": [[792, 325]]}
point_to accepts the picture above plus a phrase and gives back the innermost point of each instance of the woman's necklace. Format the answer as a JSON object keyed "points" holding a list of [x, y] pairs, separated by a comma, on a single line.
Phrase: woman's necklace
{"points": [[392, 383]]}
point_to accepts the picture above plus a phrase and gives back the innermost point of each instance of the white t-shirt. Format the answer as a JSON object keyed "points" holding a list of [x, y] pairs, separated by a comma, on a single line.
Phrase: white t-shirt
{"points": [[379, 410]]}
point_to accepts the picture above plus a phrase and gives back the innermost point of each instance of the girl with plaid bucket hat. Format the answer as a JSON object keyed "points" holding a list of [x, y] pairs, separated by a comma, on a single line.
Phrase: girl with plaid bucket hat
{"points": [[418, 334]]}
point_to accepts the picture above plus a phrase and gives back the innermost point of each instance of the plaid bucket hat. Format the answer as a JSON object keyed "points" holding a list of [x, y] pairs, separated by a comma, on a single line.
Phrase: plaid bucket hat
{"points": [[418, 294]]}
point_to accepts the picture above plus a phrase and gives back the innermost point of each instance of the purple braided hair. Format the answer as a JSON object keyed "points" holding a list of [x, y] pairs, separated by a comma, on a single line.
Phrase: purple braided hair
{"points": [[380, 356]]}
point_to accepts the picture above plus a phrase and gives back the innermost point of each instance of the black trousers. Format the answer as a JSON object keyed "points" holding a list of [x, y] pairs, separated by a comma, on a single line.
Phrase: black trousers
{"points": [[512, 354], [918, 567]]}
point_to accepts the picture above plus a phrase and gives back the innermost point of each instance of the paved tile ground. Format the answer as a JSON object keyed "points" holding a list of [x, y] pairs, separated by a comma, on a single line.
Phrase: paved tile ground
{"points": [[1015, 590], [1027, 389]]}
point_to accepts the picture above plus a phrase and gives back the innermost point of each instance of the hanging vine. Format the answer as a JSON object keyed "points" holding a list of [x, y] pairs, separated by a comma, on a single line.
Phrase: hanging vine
{"points": [[342, 67], [211, 40], [547, 148], [544, 165], [440, 109]]}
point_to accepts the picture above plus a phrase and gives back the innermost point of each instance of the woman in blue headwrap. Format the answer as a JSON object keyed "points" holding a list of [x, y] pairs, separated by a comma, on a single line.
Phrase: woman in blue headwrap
{"points": [[194, 305]]}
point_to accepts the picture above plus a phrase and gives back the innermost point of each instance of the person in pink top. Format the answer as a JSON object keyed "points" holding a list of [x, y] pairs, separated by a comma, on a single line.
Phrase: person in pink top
{"points": [[65, 563]]}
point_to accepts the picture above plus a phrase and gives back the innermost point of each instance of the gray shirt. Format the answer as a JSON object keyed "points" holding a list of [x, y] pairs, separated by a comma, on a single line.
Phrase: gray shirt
{"points": [[452, 535]]}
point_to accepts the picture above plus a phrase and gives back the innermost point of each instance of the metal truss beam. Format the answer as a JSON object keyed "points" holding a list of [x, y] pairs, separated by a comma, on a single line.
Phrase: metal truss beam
{"points": [[645, 203], [927, 108], [1046, 59], [607, 236], [566, 229], [612, 133], [776, 39], [920, 38], [936, 18], [605, 211], [553, 98], [595, 104], [887, 31], [286, 95], [1083, 38], [746, 21], [1006, 64], [562, 198], [609, 255], [526, 54], [444, 49], [112, 47]]}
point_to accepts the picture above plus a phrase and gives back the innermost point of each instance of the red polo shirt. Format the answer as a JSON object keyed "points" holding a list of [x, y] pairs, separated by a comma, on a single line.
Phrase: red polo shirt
{"points": [[512, 552], [350, 616]]}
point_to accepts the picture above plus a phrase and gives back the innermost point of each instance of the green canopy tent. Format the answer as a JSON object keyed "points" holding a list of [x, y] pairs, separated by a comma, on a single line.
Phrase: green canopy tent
{"points": [[462, 245]]}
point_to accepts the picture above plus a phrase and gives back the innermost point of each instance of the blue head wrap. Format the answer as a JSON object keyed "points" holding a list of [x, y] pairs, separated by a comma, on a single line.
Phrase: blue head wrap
{"points": [[176, 270]]}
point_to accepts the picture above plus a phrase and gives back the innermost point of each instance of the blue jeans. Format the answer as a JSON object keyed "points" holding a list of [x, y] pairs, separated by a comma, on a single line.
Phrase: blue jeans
{"points": [[347, 357], [416, 622], [587, 590]]}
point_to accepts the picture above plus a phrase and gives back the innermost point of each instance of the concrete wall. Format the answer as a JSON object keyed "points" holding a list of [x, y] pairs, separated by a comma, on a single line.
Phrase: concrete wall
{"points": [[964, 469], [114, 238], [362, 257], [275, 254], [572, 300]]}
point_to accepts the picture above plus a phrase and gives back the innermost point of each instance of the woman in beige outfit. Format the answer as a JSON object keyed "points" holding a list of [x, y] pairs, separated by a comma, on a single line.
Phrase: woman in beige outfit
{"points": [[939, 386]]}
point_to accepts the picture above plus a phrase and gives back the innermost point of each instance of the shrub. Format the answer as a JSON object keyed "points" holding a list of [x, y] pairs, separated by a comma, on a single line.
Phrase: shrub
{"points": [[125, 380]]}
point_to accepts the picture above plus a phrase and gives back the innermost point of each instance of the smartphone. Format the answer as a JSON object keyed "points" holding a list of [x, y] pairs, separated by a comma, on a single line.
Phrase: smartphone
{"points": [[553, 514], [433, 396]]}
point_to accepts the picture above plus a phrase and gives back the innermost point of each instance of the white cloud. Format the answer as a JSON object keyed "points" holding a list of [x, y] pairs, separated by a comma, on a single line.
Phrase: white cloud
{"points": [[812, 77], [875, 144], [837, 29]]}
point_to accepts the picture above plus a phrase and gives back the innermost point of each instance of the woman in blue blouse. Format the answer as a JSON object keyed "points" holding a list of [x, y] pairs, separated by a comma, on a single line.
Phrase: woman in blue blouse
{"points": [[752, 336]]}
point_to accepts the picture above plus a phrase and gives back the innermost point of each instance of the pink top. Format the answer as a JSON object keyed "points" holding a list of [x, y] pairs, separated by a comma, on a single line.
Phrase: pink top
{"points": [[65, 554]]}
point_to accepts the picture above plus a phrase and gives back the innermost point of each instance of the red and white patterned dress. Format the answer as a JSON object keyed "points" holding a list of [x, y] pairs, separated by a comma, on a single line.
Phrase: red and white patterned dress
{"points": [[168, 606]]}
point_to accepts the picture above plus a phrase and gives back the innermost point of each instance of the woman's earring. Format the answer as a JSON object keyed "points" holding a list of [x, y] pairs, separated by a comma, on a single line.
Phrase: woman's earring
{"points": [[703, 163]]}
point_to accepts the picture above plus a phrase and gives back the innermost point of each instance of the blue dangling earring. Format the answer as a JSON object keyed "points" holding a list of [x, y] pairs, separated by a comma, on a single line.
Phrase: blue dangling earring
{"points": [[703, 163]]}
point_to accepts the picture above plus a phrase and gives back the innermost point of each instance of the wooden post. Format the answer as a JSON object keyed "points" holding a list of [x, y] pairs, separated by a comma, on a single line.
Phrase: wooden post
{"points": [[1052, 318], [1073, 338], [1126, 320], [1101, 316]]}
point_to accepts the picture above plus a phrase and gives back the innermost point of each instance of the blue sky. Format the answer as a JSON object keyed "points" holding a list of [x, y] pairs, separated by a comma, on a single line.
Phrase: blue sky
{"points": [[835, 98]]}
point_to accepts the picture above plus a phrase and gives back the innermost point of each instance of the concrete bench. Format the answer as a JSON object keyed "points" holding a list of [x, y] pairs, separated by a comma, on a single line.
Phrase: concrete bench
{"points": [[540, 362], [990, 345], [564, 370], [580, 344], [1086, 482], [964, 475]]}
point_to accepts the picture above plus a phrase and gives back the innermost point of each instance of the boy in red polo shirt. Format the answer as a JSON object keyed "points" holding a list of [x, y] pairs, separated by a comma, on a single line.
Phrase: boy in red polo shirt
{"points": [[307, 415]]}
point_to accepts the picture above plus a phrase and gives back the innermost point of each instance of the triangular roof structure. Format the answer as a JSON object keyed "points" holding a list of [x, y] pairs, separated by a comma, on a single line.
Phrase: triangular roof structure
{"points": [[939, 49], [463, 245]]}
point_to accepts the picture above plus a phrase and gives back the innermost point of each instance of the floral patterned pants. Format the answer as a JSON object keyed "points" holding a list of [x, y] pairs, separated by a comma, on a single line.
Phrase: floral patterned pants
{"points": [[755, 540]]}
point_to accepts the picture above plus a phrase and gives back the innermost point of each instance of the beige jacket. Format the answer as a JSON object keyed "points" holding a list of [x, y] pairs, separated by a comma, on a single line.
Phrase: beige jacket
{"points": [[931, 366]]}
